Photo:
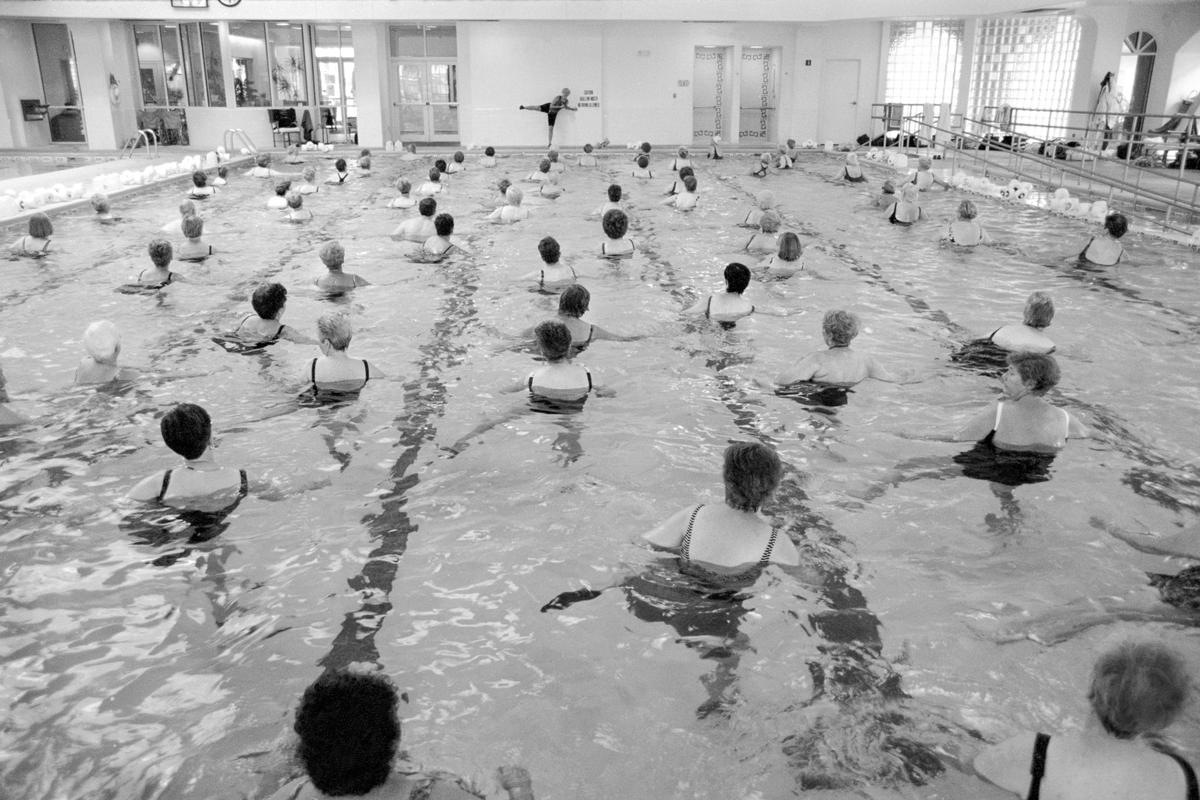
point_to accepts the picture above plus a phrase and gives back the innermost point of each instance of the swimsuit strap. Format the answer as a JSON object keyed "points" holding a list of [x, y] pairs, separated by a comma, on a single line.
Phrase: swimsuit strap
{"points": [[589, 380], [591, 330], [708, 308], [244, 487], [1037, 767], [166, 481], [47, 244], [766, 556], [686, 543], [1083, 252], [1193, 790], [541, 278], [531, 383], [313, 373], [366, 371], [278, 333]]}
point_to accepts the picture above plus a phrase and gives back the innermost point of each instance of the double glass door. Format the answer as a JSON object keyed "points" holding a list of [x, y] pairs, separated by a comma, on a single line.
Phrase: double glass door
{"points": [[425, 100]]}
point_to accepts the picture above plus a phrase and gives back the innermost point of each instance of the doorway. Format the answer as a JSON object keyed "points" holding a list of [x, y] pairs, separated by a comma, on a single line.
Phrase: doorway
{"points": [[710, 92], [424, 83], [759, 95], [839, 99], [1133, 77]]}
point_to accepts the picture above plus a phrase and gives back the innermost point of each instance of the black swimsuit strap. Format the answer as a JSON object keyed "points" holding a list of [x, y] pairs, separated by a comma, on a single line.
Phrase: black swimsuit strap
{"points": [[366, 371], [766, 556], [244, 488], [1193, 789], [589, 380], [1037, 768], [686, 544], [313, 373], [166, 481]]}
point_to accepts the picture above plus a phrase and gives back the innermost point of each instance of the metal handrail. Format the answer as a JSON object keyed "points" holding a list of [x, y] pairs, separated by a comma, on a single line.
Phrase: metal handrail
{"points": [[1021, 162], [231, 138], [145, 136]]}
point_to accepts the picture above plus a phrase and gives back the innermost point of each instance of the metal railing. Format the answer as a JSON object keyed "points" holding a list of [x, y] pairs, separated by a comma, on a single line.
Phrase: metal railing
{"points": [[145, 136], [233, 136], [1067, 150]]}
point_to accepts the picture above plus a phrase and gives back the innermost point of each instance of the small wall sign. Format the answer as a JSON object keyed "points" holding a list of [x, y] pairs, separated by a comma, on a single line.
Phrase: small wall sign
{"points": [[588, 99]]}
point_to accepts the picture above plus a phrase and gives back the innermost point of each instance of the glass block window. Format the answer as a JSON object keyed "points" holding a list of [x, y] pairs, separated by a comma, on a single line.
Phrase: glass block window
{"points": [[924, 61], [1027, 63]]}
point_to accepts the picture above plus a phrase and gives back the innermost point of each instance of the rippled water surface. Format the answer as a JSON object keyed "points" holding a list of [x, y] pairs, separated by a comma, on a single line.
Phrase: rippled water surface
{"points": [[143, 659]]}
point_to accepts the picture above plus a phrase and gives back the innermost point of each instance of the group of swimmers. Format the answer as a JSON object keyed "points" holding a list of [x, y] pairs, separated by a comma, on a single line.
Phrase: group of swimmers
{"points": [[347, 722]]}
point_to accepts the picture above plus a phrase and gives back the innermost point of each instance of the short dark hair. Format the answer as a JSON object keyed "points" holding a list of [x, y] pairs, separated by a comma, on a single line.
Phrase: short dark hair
{"points": [[40, 226], [281, 188], [440, 166], [1116, 225], [340, 165], [199, 179], [489, 151], [349, 732], [644, 147], [187, 430], [554, 339], [752, 471], [574, 300], [689, 182], [615, 223], [459, 156], [435, 175], [427, 206], [443, 224], [503, 185], [789, 247], [737, 277], [269, 299], [549, 250], [1039, 371], [685, 171], [544, 165], [614, 192], [643, 161]]}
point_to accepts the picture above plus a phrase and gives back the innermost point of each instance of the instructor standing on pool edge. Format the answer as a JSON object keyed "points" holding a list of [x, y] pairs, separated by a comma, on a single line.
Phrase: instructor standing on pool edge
{"points": [[551, 110]]}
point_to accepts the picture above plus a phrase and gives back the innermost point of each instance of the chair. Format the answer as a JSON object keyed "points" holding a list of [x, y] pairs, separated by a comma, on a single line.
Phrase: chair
{"points": [[283, 123]]}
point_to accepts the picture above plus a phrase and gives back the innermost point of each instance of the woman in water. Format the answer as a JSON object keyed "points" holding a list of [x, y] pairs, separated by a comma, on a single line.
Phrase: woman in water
{"points": [[838, 365], [335, 371], [905, 211], [1106, 250], [161, 253], [1022, 419], [615, 225], [788, 261], [553, 275], [1138, 690], [731, 541], [966, 230], [263, 326], [512, 211], [349, 734], [1029, 336], [37, 243], [728, 307], [573, 303]]}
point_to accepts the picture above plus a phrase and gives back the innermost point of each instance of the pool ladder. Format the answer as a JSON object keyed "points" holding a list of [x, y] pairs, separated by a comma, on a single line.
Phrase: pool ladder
{"points": [[233, 136], [145, 136]]}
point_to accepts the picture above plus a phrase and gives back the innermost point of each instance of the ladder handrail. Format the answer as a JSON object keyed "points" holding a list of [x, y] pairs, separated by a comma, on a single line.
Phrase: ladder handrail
{"points": [[231, 137], [146, 135]]}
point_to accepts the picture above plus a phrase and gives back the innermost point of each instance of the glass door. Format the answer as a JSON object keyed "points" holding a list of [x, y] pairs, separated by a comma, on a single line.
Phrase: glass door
{"points": [[425, 101], [60, 81], [759, 94], [709, 83]]}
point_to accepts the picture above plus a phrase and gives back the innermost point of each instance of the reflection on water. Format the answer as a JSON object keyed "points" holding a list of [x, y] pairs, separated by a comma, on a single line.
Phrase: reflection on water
{"points": [[152, 654]]}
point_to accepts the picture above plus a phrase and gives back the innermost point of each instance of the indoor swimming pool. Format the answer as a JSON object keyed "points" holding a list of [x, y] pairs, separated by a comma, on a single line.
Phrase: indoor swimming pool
{"points": [[147, 659]]}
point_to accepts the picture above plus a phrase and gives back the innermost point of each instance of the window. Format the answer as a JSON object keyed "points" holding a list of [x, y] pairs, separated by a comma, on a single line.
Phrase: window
{"points": [[248, 58], [422, 41], [924, 61], [160, 65], [203, 77], [60, 81], [289, 78], [1027, 63]]}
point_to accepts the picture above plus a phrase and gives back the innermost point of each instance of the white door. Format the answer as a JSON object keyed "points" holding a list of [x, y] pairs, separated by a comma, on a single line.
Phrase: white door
{"points": [[840, 120], [759, 94], [710, 93], [425, 101]]}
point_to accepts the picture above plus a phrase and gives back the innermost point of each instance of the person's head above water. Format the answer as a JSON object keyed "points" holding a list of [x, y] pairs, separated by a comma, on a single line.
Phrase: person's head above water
{"points": [[340, 165], [100, 203], [443, 224], [752, 471], [268, 300], [910, 193], [1039, 310], [40, 226], [789, 247], [199, 179], [1038, 371], [281, 188], [614, 193], [614, 223], [554, 340], [335, 330], [427, 207], [574, 301], [689, 183], [403, 186], [967, 210], [513, 195], [544, 165], [489, 151], [643, 161], [1116, 224], [161, 252], [333, 255], [737, 277], [770, 222], [839, 327], [187, 430], [193, 227], [1138, 688], [102, 341], [349, 732], [309, 174], [549, 250]]}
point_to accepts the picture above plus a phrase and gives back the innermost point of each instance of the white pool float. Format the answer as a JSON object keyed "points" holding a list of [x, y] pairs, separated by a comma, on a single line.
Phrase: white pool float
{"points": [[1099, 210], [10, 206]]}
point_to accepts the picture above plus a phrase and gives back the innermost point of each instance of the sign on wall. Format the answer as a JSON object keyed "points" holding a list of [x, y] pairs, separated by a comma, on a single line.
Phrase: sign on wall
{"points": [[588, 99]]}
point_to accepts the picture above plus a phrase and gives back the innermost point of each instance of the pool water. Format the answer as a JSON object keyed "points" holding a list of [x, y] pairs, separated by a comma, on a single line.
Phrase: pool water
{"points": [[146, 659]]}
